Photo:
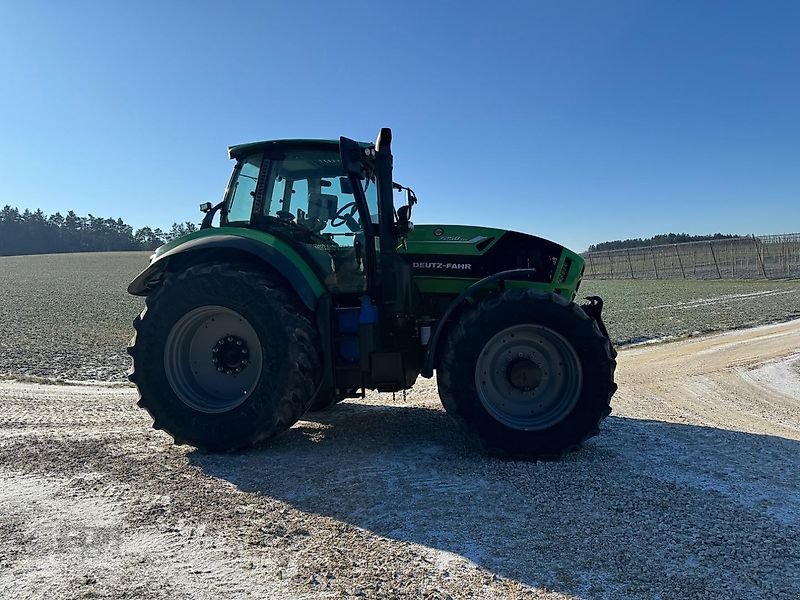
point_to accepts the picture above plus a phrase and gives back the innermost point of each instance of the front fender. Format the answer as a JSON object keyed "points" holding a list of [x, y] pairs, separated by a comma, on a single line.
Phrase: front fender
{"points": [[262, 247], [496, 279]]}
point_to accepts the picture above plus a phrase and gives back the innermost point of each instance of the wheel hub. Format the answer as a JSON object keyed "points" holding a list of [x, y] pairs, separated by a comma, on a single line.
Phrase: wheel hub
{"points": [[524, 374], [213, 359], [230, 355], [528, 377]]}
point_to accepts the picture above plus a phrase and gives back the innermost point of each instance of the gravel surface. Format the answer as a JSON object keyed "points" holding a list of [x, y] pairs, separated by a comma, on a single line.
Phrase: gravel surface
{"points": [[692, 490]]}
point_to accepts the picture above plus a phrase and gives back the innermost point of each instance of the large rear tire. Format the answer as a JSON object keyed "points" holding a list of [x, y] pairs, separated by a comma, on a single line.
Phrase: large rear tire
{"points": [[528, 373], [224, 358]]}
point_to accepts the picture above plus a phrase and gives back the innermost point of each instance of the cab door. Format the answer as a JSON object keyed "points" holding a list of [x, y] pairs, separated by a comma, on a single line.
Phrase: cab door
{"points": [[307, 198]]}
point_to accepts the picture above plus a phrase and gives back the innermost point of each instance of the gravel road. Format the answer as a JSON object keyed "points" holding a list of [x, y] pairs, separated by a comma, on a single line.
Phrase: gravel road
{"points": [[692, 490]]}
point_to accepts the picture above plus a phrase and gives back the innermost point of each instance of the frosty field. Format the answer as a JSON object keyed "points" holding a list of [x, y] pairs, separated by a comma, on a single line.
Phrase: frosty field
{"points": [[68, 315]]}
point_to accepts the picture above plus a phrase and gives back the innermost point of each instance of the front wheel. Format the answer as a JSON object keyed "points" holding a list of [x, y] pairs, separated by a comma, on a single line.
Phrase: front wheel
{"points": [[224, 358], [529, 373]]}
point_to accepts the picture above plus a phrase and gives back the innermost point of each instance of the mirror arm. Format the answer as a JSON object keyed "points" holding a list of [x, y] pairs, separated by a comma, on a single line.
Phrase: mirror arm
{"points": [[207, 220]]}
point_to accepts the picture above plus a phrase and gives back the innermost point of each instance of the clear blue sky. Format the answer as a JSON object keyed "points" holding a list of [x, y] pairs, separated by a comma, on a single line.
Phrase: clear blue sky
{"points": [[577, 121]]}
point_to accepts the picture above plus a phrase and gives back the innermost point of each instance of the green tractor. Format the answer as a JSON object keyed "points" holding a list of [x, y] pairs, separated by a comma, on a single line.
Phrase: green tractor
{"points": [[314, 288]]}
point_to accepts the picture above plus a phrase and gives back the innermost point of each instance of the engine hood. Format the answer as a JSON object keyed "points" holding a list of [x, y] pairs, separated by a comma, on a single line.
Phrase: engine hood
{"points": [[455, 239], [475, 252]]}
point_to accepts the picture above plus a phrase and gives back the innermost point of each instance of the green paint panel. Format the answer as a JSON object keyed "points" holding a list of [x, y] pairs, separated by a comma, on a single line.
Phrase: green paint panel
{"points": [[450, 239]]}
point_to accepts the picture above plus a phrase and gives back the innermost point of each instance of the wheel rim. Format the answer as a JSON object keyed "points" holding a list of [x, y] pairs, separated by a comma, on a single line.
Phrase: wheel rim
{"points": [[212, 359], [528, 377]]}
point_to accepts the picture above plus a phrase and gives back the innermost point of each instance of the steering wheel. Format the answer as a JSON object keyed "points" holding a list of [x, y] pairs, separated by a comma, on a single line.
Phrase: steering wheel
{"points": [[340, 218]]}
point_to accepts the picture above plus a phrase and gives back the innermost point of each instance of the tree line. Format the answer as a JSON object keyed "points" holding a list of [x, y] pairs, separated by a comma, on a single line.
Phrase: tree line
{"points": [[658, 240], [37, 233]]}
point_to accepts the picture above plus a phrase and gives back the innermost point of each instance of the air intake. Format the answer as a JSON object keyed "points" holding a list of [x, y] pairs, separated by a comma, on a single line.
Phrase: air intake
{"points": [[562, 277]]}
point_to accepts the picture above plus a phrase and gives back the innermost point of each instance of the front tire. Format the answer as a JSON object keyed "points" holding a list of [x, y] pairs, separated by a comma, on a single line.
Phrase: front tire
{"points": [[528, 373], [224, 358]]}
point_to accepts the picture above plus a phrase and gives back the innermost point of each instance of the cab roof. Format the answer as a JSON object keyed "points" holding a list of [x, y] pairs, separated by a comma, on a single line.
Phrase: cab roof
{"points": [[241, 150]]}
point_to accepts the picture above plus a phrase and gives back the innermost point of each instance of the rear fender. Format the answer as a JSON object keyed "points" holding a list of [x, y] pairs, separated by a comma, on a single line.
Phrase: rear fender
{"points": [[284, 261]]}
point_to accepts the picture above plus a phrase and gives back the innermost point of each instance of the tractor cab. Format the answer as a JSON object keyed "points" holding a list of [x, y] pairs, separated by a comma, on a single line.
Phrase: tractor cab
{"points": [[302, 195], [300, 192]]}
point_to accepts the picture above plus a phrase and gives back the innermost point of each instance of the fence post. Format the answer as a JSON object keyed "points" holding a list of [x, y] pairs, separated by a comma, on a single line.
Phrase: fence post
{"points": [[714, 256], [760, 258], [655, 267], [630, 264], [680, 262], [786, 248], [591, 265], [611, 264], [733, 261]]}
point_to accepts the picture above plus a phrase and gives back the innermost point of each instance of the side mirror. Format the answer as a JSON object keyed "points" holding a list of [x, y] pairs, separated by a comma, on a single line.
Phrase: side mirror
{"points": [[350, 153], [404, 219]]}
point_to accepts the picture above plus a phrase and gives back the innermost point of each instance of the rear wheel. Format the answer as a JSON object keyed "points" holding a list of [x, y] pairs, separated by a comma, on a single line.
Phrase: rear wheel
{"points": [[223, 358], [529, 373]]}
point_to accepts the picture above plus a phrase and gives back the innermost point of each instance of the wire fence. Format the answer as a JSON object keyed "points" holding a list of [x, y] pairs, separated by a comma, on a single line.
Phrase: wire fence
{"points": [[753, 257]]}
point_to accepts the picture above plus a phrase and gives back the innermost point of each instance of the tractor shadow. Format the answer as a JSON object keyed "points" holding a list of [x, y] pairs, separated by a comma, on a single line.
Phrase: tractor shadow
{"points": [[682, 508]]}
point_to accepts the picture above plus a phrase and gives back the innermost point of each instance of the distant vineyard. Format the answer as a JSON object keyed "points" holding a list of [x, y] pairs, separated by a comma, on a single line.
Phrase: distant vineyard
{"points": [[754, 257]]}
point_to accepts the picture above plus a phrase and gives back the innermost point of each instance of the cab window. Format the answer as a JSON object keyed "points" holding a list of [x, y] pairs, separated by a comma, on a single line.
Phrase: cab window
{"points": [[244, 187]]}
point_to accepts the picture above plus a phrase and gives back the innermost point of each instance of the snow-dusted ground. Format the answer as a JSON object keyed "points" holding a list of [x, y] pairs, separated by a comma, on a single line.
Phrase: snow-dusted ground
{"points": [[782, 375], [688, 304], [692, 490]]}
